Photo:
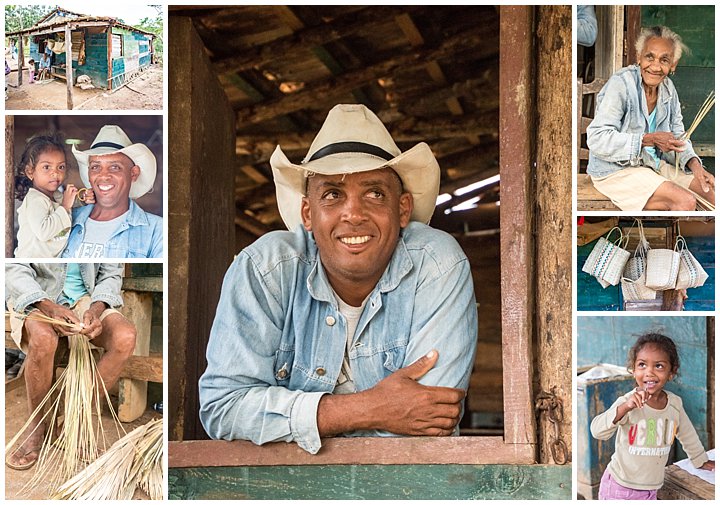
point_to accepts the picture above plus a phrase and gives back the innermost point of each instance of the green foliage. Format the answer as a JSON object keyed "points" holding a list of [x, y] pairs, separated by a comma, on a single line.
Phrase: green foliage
{"points": [[19, 17], [154, 25]]}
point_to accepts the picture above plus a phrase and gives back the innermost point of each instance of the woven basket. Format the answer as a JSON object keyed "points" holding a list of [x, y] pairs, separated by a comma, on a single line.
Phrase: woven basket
{"points": [[662, 269], [633, 281], [691, 274], [607, 260]]}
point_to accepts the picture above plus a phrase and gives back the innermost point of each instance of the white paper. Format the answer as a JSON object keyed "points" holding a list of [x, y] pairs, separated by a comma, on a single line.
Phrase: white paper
{"points": [[602, 371], [706, 475]]}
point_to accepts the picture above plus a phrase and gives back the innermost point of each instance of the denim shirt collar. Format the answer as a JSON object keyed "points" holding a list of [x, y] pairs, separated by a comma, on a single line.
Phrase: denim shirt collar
{"points": [[319, 287], [135, 216]]}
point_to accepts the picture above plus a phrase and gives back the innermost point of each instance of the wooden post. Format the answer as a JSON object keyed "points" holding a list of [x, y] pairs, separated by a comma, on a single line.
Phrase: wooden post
{"points": [[553, 313], [517, 120], [609, 42], [109, 57], [9, 185], [68, 66], [632, 31], [132, 393], [20, 60], [203, 231]]}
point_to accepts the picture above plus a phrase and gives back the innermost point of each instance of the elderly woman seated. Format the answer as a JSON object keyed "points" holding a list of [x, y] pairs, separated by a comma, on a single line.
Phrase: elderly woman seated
{"points": [[637, 133]]}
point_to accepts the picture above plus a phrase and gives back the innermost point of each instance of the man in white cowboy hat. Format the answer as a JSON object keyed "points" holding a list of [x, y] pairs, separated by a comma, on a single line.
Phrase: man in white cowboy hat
{"points": [[118, 171], [87, 293], [359, 320]]}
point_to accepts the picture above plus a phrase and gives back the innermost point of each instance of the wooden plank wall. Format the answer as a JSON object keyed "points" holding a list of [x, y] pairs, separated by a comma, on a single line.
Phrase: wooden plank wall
{"points": [[201, 247]]}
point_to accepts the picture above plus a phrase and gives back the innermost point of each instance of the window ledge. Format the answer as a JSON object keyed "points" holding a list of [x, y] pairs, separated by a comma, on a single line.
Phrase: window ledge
{"points": [[352, 451]]}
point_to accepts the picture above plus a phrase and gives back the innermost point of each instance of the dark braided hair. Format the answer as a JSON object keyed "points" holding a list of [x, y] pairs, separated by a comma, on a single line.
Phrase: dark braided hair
{"points": [[665, 344], [37, 145]]}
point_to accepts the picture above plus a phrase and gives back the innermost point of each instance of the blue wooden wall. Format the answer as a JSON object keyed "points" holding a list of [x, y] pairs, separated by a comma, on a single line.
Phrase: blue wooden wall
{"points": [[607, 339], [592, 296], [96, 52]]}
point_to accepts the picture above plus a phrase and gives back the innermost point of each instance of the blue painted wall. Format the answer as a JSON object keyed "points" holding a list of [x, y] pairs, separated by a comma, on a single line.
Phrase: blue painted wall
{"points": [[607, 339], [96, 50]]}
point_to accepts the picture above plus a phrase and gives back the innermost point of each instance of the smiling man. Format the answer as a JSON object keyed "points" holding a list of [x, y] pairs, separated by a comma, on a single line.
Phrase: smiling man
{"points": [[118, 171], [361, 319]]}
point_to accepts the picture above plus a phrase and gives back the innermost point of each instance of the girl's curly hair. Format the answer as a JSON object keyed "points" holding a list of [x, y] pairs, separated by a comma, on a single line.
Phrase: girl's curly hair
{"points": [[662, 342], [37, 145]]}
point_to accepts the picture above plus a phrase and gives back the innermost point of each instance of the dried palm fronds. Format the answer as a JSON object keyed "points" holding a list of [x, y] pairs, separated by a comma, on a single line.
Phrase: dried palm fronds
{"points": [[705, 108], [66, 450], [133, 461]]}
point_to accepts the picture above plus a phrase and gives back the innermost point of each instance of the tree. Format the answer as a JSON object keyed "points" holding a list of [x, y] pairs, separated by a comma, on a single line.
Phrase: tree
{"points": [[19, 17], [154, 25]]}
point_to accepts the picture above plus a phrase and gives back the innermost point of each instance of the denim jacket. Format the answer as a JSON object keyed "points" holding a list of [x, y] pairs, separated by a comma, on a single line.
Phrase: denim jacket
{"points": [[27, 283], [140, 235], [614, 136], [278, 340]]}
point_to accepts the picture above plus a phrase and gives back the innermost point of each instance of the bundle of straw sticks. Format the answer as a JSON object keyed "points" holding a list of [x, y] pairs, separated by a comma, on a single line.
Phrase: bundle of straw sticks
{"points": [[66, 452], [707, 105], [133, 461]]}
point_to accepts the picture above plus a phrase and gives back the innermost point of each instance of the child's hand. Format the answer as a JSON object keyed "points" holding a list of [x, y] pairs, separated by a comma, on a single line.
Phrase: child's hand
{"points": [[638, 399], [708, 465], [69, 197], [89, 196]]}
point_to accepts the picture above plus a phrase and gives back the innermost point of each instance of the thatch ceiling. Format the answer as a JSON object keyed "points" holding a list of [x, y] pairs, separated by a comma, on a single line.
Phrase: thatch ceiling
{"points": [[430, 73]]}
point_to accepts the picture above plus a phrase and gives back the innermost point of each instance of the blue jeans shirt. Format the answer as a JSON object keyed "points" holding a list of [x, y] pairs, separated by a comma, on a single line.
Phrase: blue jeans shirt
{"points": [[277, 325], [140, 234], [27, 283], [614, 136]]}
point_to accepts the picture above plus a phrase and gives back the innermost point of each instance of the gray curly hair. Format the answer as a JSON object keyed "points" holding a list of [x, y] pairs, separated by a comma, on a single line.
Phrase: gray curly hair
{"points": [[662, 32]]}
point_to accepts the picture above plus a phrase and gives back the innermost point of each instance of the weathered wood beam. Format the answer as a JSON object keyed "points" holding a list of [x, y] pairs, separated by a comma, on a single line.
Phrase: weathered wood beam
{"points": [[477, 41], [305, 39], [250, 224], [9, 186], [143, 368]]}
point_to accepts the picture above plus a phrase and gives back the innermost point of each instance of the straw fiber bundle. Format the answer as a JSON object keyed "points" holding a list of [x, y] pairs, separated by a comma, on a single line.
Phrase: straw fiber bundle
{"points": [[133, 461], [75, 401]]}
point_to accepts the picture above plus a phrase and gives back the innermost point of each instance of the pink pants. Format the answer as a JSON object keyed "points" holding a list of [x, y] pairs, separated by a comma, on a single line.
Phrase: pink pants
{"points": [[611, 490]]}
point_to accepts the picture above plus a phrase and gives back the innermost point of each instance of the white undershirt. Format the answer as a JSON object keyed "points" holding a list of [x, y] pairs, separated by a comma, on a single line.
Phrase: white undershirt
{"points": [[345, 383], [97, 234]]}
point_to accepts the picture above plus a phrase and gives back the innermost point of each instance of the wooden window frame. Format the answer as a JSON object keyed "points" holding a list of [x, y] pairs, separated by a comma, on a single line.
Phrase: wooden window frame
{"points": [[518, 444]]}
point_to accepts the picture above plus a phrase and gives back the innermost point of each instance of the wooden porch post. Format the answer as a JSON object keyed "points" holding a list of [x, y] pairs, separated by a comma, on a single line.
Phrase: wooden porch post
{"points": [[516, 215], [9, 185], [68, 66], [21, 60], [109, 57], [554, 217]]}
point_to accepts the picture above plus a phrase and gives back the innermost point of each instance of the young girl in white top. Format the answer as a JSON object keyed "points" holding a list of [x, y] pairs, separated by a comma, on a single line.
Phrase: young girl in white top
{"points": [[44, 218], [646, 420]]}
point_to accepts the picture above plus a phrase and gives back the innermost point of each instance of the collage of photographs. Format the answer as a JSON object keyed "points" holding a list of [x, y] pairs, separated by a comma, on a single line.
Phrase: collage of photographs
{"points": [[313, 252]]}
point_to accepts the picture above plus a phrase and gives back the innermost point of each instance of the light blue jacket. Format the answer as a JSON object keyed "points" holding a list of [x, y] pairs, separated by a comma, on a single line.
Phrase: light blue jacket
{"points": [[614, 136], [27, 283], [277, 324], [140, 234]]}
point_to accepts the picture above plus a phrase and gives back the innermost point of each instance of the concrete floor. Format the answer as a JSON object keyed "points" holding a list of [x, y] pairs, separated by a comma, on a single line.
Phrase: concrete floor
{"points": [[16, 415]]}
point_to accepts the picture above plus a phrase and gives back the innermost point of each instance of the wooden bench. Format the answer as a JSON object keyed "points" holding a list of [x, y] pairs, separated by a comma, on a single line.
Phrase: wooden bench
{"points": [[589, 198]]}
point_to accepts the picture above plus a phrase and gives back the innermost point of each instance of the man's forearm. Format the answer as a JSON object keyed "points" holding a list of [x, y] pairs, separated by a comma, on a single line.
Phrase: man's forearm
{"points": [[338, 414]]}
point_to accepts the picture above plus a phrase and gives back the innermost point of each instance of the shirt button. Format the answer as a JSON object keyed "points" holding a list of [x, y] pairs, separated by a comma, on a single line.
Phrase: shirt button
{"points": [[320, 371], [330, 321]]}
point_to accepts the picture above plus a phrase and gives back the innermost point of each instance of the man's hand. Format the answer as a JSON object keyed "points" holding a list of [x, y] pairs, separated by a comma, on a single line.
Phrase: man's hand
{"points": [[91, 320], [52, 309], [398, 404]]}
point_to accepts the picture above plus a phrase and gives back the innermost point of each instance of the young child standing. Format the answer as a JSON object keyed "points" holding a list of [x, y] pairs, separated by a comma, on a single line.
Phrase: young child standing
{"points": [[647, 420], [44, 216]]}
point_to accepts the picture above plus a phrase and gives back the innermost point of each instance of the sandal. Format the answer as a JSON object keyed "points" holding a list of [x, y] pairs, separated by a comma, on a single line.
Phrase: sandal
{"points": [[24, 466]]}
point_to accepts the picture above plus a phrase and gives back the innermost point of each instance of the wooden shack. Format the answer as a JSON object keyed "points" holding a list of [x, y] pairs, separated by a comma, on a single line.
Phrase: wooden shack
{"points": [[109, 52], [480, 85]]}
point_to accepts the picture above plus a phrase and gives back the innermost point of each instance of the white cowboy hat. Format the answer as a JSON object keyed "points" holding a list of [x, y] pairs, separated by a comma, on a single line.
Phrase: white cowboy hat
{"points": [[353, 139], [111, 139]]}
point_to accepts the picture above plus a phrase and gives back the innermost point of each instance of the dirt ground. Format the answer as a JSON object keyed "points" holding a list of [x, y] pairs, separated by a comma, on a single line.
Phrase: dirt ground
{"points": [[16, 415], [144, 93]]}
